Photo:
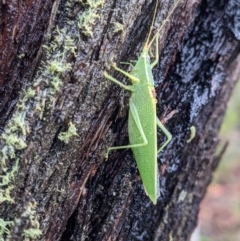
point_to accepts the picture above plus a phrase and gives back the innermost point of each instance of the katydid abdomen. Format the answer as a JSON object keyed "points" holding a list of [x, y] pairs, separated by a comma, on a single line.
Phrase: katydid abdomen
{"points": [[143, 98]]}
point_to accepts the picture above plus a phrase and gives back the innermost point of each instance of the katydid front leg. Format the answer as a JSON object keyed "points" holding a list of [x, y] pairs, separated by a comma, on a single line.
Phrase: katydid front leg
{"points": [[133, 78], [153, 64], [133, 110], [134, 113], [127, 87]]}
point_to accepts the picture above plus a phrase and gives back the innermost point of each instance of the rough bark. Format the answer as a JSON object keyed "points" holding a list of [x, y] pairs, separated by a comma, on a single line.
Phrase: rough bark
{"points": [[58, 116]]}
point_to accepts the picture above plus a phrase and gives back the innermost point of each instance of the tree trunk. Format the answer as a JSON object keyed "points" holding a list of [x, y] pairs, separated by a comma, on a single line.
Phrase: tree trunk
{"points": [[59, 115]]}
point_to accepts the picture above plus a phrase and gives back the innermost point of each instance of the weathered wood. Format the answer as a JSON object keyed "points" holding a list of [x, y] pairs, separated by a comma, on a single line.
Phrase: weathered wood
{"points": [[58, 116]]}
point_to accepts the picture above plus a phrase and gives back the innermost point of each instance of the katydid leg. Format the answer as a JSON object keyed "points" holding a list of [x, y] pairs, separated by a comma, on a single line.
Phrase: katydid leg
{"points": [[134, 113], [166, 132], [156, 53], [133, 78], [126, 63], [127, 87]]}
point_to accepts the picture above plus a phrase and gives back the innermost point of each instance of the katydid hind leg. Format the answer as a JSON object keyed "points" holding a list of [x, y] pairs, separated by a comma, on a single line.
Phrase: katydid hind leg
{"points": [[167, 134], [134, 113]]}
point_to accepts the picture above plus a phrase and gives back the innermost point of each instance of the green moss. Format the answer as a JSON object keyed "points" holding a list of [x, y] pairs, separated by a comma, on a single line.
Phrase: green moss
{"points": [[29, 219], [13, 140], [89, 16], [95, 3], [5, 195], [4, 227], [30, 93], [6, 179], [57, 67], [18, 124], [32, 102], [118, 27], [70, 46], [66, 136], [86, 21], [56, 83], [32, 233], [5, 184]]}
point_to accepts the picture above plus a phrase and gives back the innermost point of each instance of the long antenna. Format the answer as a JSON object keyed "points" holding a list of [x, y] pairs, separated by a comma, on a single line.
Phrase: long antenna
{"points": [[164, 22], [151, 28]]}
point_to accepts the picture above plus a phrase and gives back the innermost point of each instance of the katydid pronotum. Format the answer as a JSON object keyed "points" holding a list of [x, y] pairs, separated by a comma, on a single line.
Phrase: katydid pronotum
{"points": [[142, 119]]}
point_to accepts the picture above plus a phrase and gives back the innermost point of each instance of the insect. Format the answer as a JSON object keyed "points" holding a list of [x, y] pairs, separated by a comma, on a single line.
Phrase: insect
{"points": [[142, 119]]}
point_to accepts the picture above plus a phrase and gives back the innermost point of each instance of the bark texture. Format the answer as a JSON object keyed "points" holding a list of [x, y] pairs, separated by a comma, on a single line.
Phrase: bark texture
{"points": [[59, 115]]}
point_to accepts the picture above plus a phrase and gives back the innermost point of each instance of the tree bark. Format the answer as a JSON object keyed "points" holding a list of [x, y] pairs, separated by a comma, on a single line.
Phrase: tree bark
{"points": [[59, 115]]}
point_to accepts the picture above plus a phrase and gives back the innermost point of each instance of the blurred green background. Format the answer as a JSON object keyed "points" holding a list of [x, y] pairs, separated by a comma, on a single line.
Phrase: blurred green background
{"points": [[219, 217]]}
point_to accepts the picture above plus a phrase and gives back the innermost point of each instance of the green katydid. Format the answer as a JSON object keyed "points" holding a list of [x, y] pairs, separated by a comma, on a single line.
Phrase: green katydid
{"points": [[142, 119]]}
